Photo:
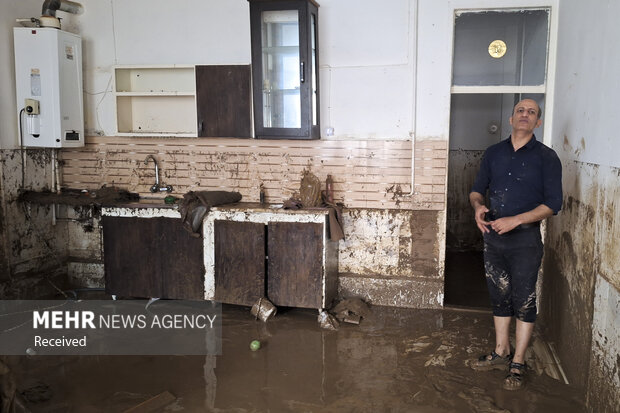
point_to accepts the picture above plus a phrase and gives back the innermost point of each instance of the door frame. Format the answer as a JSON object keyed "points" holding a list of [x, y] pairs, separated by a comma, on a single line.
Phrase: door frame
{"points": [[433, 75]]}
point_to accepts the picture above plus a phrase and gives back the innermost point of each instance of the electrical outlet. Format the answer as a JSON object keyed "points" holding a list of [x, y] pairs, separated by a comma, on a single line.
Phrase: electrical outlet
{"points": [[32, 107]]}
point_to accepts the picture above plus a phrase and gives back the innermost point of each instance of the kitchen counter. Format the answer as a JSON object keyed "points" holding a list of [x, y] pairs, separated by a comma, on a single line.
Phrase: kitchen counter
{"points": [[257, 207], [104, 197], [121, 203], [112, 198]]}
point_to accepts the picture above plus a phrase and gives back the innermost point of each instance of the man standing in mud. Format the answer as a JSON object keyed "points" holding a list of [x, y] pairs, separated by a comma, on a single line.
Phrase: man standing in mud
{"points": [[524, 180]]}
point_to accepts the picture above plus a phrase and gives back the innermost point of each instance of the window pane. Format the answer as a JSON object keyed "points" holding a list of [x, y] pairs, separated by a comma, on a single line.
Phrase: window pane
{"points": [[280, 47], [524, 33]]}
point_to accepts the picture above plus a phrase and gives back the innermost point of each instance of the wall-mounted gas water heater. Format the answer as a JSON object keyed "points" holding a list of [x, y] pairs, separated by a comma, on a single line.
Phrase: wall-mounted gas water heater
{"points": [[48, 74]]}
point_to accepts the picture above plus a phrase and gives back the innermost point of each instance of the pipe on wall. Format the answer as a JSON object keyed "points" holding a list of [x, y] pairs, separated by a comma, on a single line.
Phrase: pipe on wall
{"points": [[50, 6], [415, 99]]}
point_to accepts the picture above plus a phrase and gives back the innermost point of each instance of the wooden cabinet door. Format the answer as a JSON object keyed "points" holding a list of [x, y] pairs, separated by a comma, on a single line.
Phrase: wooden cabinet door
{"points": [[223, 101], [295, 266], [239, 262], [130, 256], [151, 257], [181, 261]]}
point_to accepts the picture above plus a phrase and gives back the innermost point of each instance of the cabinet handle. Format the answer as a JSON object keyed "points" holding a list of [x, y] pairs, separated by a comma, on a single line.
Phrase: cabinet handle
{"points": [[302, 74], [200, 129]]}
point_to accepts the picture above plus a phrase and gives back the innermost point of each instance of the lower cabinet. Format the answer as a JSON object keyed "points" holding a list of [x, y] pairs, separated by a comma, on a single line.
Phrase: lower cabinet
{"points": [[151, 257], [295, 270], [240, 257], [245, 254], [285, 256]]}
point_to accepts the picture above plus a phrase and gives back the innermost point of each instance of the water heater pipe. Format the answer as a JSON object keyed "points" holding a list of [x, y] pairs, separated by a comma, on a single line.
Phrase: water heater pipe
{"points": [[53, 185], [50, 6], [56, 170]]}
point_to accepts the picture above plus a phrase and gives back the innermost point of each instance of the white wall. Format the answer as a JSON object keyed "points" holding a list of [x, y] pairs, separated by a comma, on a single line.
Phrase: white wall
{"points": [[586, 112], [366, 58]]}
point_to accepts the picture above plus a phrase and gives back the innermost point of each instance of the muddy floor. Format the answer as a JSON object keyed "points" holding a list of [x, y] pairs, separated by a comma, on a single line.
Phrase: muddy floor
{"points": [[397, 360]]}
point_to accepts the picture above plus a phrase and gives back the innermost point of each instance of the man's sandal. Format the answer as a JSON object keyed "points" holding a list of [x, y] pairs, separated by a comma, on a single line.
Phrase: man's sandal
{"points": [[491, 361], [516, 376]]}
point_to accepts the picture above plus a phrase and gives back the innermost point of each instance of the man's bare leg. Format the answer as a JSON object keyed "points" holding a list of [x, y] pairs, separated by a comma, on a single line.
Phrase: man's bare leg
{"points": [[499, 359], [523, 336], [502, 335], [516, 376]]}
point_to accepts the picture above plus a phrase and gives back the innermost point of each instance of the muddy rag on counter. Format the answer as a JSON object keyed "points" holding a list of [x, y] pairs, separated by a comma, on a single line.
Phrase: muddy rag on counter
{"points": [[195, 205], [335, 216]]}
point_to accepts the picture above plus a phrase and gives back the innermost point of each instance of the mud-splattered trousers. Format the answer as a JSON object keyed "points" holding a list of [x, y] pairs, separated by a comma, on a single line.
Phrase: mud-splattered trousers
{"points": [[511, 263]]}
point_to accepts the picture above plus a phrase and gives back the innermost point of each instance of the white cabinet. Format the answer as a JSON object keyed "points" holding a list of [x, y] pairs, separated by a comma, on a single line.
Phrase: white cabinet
{"points": [[155, 100]]}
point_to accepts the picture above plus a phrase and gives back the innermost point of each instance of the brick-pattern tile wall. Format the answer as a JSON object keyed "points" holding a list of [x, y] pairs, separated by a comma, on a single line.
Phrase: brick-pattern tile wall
{"points": [[367, 173]]}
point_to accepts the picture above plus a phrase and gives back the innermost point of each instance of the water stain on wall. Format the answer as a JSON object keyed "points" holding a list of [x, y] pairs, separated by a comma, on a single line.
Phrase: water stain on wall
{"points": [[4, 259], [424, 256], [390, 243], [396, 192], [461, 230], [30, 242], [581, 250], [40, 157], [569, 284], [392, 257], [604, 375]]}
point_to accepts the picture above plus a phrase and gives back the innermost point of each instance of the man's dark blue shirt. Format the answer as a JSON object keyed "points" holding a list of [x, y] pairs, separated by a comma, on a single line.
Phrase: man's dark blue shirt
{"points": [[520, 181]]}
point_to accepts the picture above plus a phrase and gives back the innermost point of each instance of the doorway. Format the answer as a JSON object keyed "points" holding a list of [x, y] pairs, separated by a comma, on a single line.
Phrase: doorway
{"points": [[499, 58]]}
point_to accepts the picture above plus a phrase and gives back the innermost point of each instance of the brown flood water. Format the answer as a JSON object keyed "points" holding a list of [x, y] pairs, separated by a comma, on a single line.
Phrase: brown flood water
{"points": [[399, 360]]}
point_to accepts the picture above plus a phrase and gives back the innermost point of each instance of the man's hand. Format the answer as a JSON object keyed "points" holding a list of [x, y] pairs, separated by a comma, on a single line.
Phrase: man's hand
{"points": [[479, 216], [476, 201], [504, 225], [507, 224]]}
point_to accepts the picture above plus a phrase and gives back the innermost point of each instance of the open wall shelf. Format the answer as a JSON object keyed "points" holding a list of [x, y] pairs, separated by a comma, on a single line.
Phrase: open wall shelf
{"points": [[155, 100]]}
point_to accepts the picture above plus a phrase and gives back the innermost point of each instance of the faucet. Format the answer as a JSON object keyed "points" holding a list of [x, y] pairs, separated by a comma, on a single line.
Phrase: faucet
{"points": [[156, 186]]}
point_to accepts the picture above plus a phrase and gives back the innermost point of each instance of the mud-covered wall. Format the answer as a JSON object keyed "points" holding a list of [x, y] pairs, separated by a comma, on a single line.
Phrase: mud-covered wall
{"points": [[580, 306], [84, 246], [582, 280], [5, 273], [40, 247], [604, 372], [392, 257], [31, 244], [461, 230]]}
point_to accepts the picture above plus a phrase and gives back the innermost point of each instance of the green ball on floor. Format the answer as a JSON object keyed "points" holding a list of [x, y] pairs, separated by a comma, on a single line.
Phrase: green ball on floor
{"points": [[254, 345]]}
